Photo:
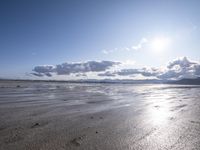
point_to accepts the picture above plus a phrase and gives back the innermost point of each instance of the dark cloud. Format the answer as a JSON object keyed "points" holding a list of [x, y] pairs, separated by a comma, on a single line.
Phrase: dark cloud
{"points": [[37, 74], [81, 75], [127, 72], [44, 69], [106, 74], [48, 74]]}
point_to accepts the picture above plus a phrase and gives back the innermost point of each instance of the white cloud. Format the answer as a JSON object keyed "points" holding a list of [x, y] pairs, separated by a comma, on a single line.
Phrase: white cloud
{"points": [[140, 44], [177, 69], [181, 68], [134, 47], [110, 51], [146, 72], [71, 68]]}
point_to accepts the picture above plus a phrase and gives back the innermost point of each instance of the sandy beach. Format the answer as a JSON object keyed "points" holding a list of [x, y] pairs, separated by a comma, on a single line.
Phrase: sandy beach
{"points": [[72, 116]]}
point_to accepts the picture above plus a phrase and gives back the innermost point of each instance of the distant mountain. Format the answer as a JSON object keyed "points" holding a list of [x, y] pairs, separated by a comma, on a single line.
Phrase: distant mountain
{"points": [[186, 81]]}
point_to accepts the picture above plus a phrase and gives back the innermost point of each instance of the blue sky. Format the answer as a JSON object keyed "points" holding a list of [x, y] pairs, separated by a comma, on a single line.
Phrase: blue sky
{"points": [[51, 32]]}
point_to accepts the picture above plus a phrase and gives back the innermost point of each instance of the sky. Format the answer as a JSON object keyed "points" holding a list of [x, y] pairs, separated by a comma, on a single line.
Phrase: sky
{"points": [[74, 39]]}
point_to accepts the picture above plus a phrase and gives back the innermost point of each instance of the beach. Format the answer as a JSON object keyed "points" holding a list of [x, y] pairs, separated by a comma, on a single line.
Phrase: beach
{"points": [[82, 116]]}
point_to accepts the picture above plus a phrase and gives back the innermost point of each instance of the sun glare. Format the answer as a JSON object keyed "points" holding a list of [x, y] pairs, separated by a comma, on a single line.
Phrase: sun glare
{"points": [[160, 43]]}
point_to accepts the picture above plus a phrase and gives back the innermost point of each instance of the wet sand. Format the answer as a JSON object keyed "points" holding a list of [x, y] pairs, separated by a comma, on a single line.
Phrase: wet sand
{"points": [[64, 116]]}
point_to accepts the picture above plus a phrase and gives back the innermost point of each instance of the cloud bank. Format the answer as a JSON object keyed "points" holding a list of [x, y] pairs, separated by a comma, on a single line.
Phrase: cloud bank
{"points": [[181, 68], [71, 68], [177, 69]]}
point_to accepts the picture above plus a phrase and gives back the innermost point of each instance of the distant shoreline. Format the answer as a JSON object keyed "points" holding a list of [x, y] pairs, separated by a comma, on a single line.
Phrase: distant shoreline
{"points": [[109, 81], [90, 81]]}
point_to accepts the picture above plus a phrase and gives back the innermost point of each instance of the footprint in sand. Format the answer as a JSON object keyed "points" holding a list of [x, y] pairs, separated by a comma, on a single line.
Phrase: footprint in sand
{"points": [[77, 141]]}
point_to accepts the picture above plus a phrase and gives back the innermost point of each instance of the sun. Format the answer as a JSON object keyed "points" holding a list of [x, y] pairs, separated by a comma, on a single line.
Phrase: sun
{"points": [[160, 44]]}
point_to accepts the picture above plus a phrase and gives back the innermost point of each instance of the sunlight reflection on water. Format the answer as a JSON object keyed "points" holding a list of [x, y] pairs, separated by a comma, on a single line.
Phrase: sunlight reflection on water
{"points": [[159, 110]]}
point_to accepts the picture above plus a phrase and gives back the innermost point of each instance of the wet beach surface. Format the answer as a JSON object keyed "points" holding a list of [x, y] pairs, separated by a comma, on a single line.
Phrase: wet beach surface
{"points": [[65, 116]]}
